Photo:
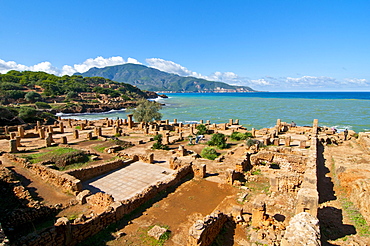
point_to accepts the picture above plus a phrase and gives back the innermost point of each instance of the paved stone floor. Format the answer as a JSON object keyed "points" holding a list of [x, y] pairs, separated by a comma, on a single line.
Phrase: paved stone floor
{"points": [[124, 183]]}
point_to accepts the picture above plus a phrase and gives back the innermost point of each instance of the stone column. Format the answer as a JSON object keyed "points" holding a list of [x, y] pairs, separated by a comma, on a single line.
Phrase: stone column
{"points": [[70, 123], [21, 131], [38, 124], [50, 129], [13, 135], [315, 126], [230, 176], [89, 135], [13, 146], [237, 122], [18, 141], [287, 141], [41, 133], [146, 130], [130, 122], [56, 123], [6, 130], [48, 141], [167, 122], [258, 212], [99, 131], [82, 125], [276, 141], [151, 158], [253, 132], [125, 121], [191, 130], [109, 123], [230, 121], [75, 133], [61, 127], [180, 125], [180, 136], [208, 122], [266, 141], [175, 121], [64, 140], [50, 136], [201, 122]]}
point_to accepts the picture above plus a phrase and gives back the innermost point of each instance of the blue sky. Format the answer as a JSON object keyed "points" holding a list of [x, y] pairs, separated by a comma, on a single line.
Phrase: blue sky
{"points": [[268, 45]]}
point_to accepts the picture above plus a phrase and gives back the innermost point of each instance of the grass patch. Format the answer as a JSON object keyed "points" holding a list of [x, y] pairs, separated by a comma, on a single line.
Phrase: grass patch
{"points": [[356, 217], [148, 240]]}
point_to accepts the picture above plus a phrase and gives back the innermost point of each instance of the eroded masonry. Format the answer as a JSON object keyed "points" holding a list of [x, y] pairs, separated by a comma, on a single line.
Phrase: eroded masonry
{"points": [[64, 183]]}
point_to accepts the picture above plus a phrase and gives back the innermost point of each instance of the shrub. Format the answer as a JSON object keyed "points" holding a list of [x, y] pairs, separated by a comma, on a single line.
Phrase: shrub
{"points": [[42, 105], [202, 129], [158, 144], [251, 142], [209, 153], [240, 136], [218, 140], [32, 96]]}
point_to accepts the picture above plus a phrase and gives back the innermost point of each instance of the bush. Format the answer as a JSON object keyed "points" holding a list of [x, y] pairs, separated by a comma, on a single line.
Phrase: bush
{"points": [[202, 129], [32, 96], [218, 140], [240, 136], [42, 105], [251, 142], [158, 144], [209, 153]]}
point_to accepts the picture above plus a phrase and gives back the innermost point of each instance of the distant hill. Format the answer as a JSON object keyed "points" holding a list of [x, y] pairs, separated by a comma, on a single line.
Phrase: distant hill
{"points": [[152, 79]]}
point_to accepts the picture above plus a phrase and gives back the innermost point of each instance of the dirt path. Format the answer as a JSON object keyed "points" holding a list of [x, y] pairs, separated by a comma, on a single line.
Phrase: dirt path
{"points": [[337, 227], [39, 189], [178, 210]]}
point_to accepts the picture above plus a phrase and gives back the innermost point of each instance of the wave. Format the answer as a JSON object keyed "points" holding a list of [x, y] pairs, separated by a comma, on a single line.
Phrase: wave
{"points": [[98, 113]]}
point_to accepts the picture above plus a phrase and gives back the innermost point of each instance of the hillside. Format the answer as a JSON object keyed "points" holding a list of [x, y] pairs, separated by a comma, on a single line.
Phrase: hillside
{"points": [[152, 79], [29, 94]]}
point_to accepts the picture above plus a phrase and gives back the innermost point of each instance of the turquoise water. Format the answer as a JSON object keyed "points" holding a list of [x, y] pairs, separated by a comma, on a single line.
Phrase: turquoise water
{"points": [[333, 109]]}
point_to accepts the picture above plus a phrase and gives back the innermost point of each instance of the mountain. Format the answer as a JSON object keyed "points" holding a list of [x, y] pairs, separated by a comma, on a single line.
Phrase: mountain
{"points": [[152, 79]]}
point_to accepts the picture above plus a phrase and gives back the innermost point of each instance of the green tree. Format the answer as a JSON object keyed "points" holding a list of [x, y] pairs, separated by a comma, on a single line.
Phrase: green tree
{"points": [[219, 140], [202, 129], [147, 111], [209, 153], [32, 96]]}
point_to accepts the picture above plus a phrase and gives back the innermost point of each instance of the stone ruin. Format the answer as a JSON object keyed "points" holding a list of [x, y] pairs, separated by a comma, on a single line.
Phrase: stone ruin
{"points": [[284, 214]]}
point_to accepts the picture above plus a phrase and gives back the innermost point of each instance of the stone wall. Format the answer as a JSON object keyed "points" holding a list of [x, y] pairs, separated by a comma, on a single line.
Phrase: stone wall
{"points": [[308, 196], [203, 232], [65, 233], [62, 180], [96, 170]]}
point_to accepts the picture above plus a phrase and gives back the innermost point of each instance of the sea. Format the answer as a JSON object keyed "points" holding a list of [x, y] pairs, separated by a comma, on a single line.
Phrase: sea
{"points": [[341, 110]]}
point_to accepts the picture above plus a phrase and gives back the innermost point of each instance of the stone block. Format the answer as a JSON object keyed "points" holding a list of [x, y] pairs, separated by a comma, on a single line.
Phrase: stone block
{"points": [[157, 232]]}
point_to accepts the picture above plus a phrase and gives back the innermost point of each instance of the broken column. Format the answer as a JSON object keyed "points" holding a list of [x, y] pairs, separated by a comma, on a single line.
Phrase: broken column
{"points": [[6, 130], [258, 211], [75, 133], [50, 135], [50, 129], [41, 133], [253, 132], [48, 141], [13, 146], [64, 140], [13, 135], [230, 121], [199, 170], [89, 135], [21, 131], [276, 141], [18, 141], [287, 140], [151, 158], [230, 176], [61, 127], [130, 122], [315, 126]]}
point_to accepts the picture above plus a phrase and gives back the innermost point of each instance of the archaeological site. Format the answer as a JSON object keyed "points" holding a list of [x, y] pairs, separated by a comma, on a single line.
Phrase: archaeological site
{"points": [[120, 182]]}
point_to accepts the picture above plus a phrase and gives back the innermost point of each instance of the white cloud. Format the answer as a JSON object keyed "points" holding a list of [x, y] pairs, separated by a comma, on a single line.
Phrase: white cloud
{"points": [[11, 65], [354, 81], [98, 62], [268, 83], [171, 67]]}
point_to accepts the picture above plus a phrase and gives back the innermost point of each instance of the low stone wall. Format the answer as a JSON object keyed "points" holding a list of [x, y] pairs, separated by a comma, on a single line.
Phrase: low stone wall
{"points": [[96, 170], [62, 180], [308, 196], [203, 232], [65, 233]]}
